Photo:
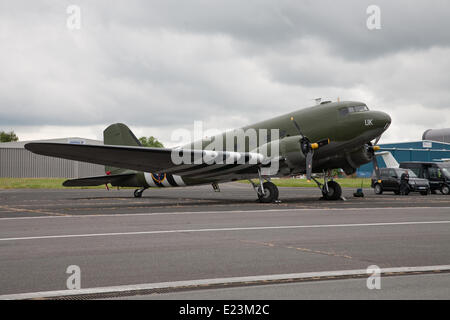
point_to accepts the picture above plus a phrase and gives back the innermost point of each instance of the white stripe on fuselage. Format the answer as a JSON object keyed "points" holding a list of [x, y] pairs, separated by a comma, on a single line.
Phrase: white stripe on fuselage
{"points": [[149, 179], [178, 180], [166, 182]]}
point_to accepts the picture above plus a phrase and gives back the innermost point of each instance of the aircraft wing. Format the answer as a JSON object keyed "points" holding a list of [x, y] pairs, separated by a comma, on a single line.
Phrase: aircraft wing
{"points": [[156, 160]]}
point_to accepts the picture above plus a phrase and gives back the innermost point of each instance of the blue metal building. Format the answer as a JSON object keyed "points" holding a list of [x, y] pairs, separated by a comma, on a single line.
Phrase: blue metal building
{"points": [[423, 150]]}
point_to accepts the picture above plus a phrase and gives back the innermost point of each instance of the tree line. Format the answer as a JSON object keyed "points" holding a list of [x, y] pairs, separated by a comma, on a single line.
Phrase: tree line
{"points": [[8, 136]]}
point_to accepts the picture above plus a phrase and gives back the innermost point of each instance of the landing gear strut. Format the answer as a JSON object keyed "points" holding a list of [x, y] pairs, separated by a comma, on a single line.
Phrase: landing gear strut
{"points": [[267, 192], [331, 190], [138, 192]]}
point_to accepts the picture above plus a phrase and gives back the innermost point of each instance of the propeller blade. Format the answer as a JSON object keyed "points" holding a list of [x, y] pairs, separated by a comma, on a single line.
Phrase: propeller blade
{"points": [[309, 157], [297, 126], [308, 148], [378, 139], [376, 167]]}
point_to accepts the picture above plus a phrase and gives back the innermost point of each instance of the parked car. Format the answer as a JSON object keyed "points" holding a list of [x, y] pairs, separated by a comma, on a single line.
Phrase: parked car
{"points": [[390, 180], [437, 173]]}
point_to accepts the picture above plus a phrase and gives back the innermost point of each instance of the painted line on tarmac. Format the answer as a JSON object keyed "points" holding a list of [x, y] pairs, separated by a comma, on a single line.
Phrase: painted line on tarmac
{"points": [[111, 234], [147, 288], [220, 212]]}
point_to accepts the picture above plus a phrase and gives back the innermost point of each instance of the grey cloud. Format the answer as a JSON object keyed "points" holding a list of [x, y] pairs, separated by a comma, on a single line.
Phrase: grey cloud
{"points": [[272, 25], [164, 64]]}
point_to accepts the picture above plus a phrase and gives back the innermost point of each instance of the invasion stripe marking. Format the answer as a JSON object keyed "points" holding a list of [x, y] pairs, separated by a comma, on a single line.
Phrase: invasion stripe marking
{"points": [[149, 179], [170, 180], [179, 181]]}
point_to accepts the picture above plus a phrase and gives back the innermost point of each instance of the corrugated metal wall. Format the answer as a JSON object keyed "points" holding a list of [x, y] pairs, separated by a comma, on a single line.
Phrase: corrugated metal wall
{"points": [[21, 163]]}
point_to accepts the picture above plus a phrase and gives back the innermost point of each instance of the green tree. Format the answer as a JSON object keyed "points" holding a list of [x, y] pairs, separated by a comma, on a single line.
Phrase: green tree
{"points": [[8, 136], [150, 142]]}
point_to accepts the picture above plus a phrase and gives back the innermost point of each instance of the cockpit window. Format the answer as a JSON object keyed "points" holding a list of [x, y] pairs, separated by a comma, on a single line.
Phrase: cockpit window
{"points": [[360, 108], [345, 111]]}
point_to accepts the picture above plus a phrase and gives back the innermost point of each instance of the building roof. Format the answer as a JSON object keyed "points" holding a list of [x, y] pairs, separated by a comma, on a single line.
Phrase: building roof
{"points": [[422, 143], [74, 140], [437, 134]]}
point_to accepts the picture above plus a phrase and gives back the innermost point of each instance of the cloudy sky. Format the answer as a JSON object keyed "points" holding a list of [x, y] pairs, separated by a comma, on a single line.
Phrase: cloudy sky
{"points": [[161, 65]]}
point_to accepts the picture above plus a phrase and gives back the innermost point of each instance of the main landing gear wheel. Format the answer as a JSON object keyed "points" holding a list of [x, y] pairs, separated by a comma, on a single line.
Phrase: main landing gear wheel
{"points": [[334, 191], [138, 193], [270, 193]]}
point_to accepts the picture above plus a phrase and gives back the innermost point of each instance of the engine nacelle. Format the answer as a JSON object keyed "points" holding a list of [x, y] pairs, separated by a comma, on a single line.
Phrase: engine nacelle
{"points": [[356, 159], [290, 150], [287, 150]]}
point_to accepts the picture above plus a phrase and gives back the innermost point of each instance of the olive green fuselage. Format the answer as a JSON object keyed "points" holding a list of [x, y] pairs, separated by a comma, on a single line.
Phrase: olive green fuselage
{"points": [[348, 125]]}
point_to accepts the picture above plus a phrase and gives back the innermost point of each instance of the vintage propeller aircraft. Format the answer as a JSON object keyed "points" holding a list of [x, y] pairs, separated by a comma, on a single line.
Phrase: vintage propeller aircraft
{"points": [[329, 135]]}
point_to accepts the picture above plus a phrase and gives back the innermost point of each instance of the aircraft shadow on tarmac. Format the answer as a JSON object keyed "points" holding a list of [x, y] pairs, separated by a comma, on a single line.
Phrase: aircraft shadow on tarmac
{"points": [[311, 201]]}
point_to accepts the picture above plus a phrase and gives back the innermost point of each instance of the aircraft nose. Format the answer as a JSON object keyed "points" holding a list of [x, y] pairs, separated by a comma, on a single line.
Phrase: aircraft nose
{"points": [[382, 120], [386, 119]]}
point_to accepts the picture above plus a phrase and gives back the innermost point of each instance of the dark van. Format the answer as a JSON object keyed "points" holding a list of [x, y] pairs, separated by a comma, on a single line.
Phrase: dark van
{"points": [[437, 173], [390, 180]]}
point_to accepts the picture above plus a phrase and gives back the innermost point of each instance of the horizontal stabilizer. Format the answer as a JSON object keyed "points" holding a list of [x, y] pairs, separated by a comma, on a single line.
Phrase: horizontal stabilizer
{"points": [[97, 181]]}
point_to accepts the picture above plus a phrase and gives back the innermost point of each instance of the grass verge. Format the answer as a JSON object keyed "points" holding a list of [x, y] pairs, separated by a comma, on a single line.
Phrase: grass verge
{"points": [[37, 183], [56, 183]]}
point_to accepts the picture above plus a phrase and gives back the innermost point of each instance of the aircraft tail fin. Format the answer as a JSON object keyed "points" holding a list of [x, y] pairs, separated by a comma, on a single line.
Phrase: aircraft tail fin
{"points": [[119, 134]]}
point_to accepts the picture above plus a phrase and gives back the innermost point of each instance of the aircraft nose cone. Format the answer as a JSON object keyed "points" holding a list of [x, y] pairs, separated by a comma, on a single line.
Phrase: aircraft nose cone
{"points": [[382, 120], [386, 119]]}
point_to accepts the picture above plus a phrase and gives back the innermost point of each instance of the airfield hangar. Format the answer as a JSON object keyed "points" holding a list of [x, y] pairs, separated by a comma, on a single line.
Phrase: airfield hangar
{"points": [[434, 146], [17, 162]]}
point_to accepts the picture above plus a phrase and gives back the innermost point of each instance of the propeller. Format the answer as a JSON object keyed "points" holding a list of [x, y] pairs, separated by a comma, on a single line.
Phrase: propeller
{"points": [[376, 141], [371, 149], [308, 148]]}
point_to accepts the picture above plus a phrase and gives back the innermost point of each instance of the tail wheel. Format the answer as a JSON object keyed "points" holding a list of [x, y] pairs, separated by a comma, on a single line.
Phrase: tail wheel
{"points": [[270, 193], [445, 189], [334, 191], [379, 189], [138, 193]]}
